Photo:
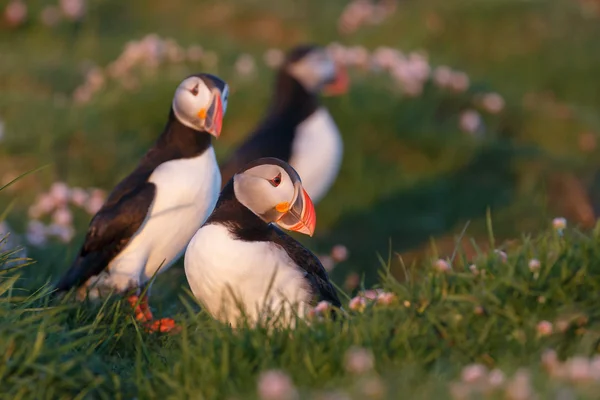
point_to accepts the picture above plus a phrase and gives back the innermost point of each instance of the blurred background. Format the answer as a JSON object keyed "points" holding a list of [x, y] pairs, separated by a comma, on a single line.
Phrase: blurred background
{"points": [[455, 107]]}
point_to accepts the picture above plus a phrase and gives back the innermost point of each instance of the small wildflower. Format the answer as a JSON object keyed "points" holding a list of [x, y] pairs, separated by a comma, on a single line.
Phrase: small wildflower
{"points": [[194, 53], [550, 360], [478, 310], [79, 196], [62, 216], [473, 269], [46, 203], [503, 256], [541, 299], [534, 265], [519, 388], [559, 223], [352, 281], [273, 58], [60, 192], [459, 81], [442, 76], [322, 307], [327, 262], [276, 385], [15, 13], [245, 65], [73, 9], [406, 303], [544, 328], [386, 298], [473, 373], [358, 360], [339, 253], [562, 325], [496, 378], [358, 303], [442, 265], [493, 103], [470, 121], [372, 294], [578, 369]]}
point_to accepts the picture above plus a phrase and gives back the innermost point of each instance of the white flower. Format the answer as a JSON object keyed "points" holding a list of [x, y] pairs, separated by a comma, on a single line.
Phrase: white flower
{"points": [[276, 385], [245, 65], [503, 256], [358, 360], [60, 192], [496, 378]]}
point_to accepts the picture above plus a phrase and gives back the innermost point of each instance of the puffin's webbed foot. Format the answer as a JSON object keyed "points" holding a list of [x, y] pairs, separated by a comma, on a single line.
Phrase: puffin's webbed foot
{"points": [[144, 314]]}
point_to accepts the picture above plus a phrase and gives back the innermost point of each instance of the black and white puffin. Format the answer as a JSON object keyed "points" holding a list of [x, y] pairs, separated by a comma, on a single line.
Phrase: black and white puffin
{"points": [[297, 129], [151, 215], [239, 260]]}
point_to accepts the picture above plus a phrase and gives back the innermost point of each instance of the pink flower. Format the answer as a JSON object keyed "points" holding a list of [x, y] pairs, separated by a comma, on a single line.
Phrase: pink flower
{"points": [[15, 13], [534, 265], [60, 192], [276, 385], [493, 103], [358, 360], [45, 203], [73, 9], [194, 53], [327, 262], [372, 294], [358, 303], [559, 223], [79, 196], [544, 328], [386, 298], [519, 388], [473, 373], [95, 202], [352, 281], [442, 265], [478, 310], [63, 233], [470, 121], [550, 360], [50, 16], [339, 253], [502, 255], [273, 58], [578, 369], [62, 216], [459, 81], [442, 76], [245, 65], [322, 307], [496, 378]]}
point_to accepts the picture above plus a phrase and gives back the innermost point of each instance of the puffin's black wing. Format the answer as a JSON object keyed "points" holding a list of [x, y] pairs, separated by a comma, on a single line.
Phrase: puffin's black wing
{"points": [[111, 229], [305, 259]]}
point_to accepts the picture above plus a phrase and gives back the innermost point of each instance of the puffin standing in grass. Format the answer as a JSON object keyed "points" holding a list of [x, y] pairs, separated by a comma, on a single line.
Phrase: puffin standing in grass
{"points": [[297, 129], [151, 215], [240, 264]]}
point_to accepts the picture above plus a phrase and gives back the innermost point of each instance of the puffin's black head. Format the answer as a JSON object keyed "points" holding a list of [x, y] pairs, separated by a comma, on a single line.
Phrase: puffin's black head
{"points": [[315, 69], [272, 190], [200, 102]]}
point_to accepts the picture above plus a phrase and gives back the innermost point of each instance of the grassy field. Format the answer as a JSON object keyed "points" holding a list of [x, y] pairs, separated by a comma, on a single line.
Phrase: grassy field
{"points": [[412, 176]]}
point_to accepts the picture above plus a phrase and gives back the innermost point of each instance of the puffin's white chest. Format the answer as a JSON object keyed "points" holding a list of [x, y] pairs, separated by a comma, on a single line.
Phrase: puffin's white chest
{"points": [[317, 153], [186, 193], [219, 268]]}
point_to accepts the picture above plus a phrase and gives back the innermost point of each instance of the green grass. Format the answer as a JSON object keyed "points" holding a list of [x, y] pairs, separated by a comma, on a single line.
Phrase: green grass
{"points": [[409, 177], [65, 350]]}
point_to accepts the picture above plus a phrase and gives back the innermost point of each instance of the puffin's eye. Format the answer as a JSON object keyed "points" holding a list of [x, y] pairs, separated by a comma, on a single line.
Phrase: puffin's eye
{"points": [[194, 90], [275, 181]]}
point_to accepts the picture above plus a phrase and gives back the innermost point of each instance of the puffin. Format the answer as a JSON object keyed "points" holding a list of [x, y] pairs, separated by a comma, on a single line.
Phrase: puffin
{"points": [[150, 216], [241, 265], [297, 129]]}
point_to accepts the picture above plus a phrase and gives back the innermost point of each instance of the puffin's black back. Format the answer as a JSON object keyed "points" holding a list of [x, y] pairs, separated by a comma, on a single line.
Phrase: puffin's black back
{"points": [[246, 226], [290, 105]]}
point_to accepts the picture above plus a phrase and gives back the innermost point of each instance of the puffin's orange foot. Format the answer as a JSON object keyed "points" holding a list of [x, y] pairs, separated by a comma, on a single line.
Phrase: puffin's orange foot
{"points": [[140, 308], [163, 325]]}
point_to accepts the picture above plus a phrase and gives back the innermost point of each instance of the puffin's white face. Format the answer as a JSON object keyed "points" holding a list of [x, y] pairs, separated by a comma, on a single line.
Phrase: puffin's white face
{"points": [[317, 71], [273, 191], [200, 102]]}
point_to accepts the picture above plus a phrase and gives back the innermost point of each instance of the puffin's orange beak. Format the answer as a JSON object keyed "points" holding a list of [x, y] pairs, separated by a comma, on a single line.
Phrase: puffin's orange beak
{"points": [[301, 216], [213, 121], [340, 83]]}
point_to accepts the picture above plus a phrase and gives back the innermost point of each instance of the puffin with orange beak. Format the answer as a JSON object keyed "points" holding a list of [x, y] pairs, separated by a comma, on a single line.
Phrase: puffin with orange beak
{"points": [[297, 128], [151, 215], [239, 264]]}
